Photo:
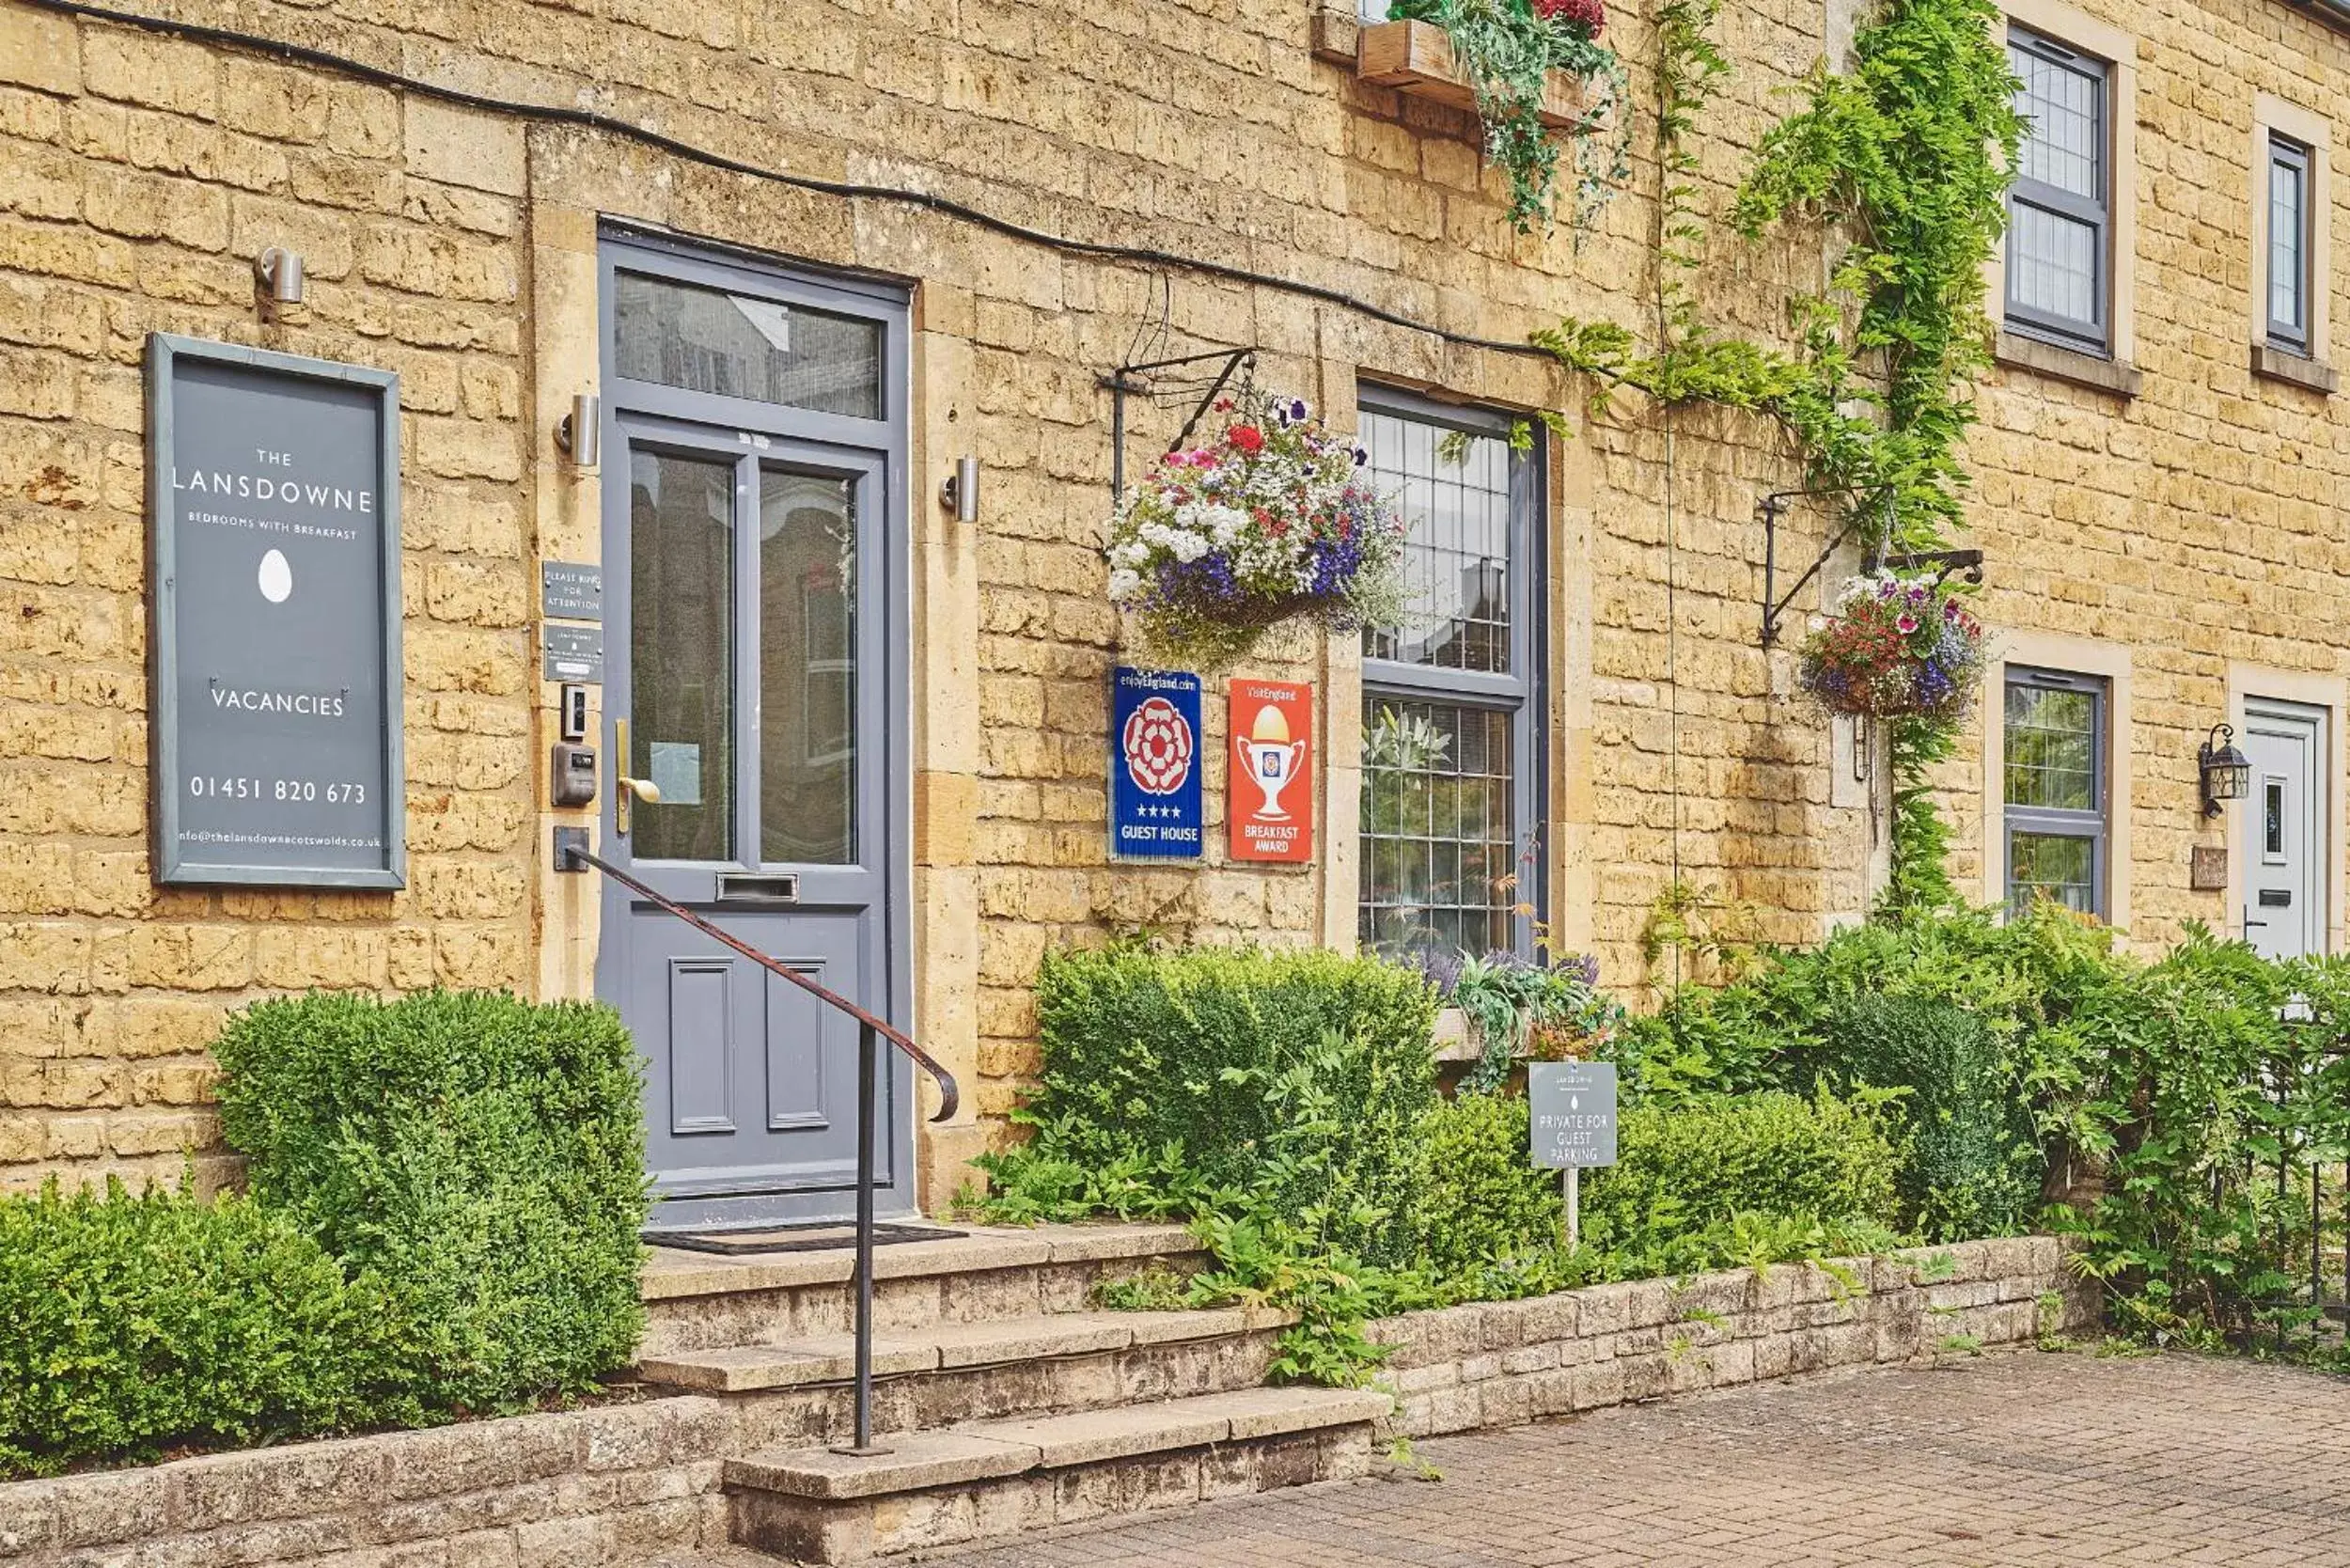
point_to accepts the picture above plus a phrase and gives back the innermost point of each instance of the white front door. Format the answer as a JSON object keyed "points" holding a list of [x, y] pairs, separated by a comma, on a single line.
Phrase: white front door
{"points": [[2283, 837]]}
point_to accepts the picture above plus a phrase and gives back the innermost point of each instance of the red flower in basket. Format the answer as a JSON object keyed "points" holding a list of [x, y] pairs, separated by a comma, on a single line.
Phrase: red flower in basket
{"points": [[1247, 438], [1583, 18]]}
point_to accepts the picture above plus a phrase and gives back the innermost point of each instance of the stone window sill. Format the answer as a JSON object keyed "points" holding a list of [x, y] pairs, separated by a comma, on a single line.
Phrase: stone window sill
{"points": [[2297, 369], [1415, 57], [2069, 364]]}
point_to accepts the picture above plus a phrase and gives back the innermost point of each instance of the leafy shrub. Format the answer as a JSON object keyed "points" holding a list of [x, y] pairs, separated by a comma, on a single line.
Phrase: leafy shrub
{"points": [[2202, 1090], [1479, 1203], [2025, 979], [479, 1157], [1298, 1078], [137, 1323], [1700, 1164], [1971, 1163]]}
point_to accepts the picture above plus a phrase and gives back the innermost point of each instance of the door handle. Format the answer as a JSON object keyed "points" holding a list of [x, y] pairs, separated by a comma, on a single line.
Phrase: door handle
{"points": [[624, 788]]}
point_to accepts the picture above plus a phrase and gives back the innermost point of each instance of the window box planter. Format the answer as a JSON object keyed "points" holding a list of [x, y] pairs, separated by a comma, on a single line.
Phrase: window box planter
{"points": [[1415, 57], [1454, 1041]]}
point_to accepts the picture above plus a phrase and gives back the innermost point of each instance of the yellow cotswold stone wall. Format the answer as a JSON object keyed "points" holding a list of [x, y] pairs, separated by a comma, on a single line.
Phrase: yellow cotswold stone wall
{"points": [[140, 174], [2196, 532]]}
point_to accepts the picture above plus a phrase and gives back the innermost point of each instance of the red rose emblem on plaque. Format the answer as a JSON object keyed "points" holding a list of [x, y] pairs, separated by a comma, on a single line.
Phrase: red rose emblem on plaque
{"points": [[1158, 747]]}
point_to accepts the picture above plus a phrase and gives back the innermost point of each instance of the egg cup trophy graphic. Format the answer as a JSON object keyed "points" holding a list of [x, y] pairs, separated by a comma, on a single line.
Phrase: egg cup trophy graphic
{"points": [[1270, 757]]}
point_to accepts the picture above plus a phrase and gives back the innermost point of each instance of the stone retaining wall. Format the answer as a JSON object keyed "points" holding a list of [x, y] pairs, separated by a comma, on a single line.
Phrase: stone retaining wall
{"points": [[577, 1488], [1494, 1364], [608, 1486]]}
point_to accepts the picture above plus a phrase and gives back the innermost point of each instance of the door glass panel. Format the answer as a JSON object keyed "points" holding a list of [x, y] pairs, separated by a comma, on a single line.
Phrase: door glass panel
{"points": [[2273, 820], [738, 346], [681, 654], [807, 668]]}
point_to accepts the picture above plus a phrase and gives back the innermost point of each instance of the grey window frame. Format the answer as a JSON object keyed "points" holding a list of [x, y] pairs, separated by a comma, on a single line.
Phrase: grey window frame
{"points": [[2095, 336], [2302, 160], [1526, 689], [2095, 826]]}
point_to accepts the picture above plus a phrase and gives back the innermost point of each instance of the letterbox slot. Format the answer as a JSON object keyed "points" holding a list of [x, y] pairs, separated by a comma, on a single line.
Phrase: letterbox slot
{"points": [[758, 887]]}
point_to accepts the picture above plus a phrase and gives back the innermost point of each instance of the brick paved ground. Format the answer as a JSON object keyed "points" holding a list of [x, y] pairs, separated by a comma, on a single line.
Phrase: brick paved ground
{"points": [[2011, 1460]]}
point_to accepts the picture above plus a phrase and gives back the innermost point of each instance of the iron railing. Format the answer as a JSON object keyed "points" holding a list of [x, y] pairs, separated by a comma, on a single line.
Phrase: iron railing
{"points": [[870, 1030], [2301, 1092]]}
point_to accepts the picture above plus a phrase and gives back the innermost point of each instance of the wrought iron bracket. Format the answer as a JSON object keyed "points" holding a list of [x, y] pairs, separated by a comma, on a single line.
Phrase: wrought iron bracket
{"points": [[1769, 509], [1135, 379], [1966, 563]]}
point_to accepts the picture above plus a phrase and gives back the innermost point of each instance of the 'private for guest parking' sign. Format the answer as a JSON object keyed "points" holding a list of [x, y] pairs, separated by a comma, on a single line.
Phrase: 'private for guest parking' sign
{"points": [[1571, 1122], [274, 497], [1571, 1108]]}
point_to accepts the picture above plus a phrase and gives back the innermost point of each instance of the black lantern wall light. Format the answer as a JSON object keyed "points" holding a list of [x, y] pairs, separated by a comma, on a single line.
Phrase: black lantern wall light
{"points": [[2227, 772]]}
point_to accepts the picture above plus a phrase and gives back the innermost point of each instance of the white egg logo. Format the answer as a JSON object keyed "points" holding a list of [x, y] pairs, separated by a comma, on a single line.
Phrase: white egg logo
{"points": [[276, 577]]}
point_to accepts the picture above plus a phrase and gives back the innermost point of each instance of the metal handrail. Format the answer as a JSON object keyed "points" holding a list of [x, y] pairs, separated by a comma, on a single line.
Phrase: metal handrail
{"points": [[870, 1028]]}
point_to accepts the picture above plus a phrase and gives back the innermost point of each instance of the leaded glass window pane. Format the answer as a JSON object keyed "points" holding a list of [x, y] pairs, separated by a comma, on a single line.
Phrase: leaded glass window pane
{"points": [[2064, 143], [2059, 867], [2054, 260], [2288, 242], [2053, 788], [1439, 848], [2051, 748], [1451, 751], [1454, 488], [2057, 278]]}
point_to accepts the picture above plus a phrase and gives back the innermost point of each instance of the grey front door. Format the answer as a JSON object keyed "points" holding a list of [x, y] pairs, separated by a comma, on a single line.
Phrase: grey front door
{"points": [[2284, 829], [753, 514]]}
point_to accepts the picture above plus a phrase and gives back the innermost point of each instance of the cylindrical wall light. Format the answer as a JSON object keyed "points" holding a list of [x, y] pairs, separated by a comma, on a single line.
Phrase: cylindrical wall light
{"points": [[959, 493], [280, 270], [580, 431]]}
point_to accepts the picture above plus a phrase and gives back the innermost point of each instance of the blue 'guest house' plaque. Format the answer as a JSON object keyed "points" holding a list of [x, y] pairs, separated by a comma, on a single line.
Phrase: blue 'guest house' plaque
{"points": [[1155, 763], [274, 494]]}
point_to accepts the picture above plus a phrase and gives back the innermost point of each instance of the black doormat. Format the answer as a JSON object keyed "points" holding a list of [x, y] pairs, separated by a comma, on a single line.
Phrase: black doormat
{"points": [[796, 1238]]}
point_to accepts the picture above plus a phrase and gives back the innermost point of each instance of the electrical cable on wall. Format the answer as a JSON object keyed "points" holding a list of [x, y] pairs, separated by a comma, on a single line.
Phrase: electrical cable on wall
{"points": [[554, 114]]}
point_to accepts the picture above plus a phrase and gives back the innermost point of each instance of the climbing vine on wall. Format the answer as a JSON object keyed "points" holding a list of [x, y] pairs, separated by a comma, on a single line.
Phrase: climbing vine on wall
{"points": [[1904, 162]]}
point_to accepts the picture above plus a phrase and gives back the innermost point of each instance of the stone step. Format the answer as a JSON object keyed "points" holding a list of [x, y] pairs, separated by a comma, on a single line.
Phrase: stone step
{"points": [[832, 1357], [990, 1480], [799, 1393], [702, 1301]]}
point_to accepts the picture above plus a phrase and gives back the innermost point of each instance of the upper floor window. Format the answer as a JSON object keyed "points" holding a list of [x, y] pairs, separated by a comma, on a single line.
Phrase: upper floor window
{"points": [[2289, 250], [2060, 273], [2054, 790], [1451, 762]]}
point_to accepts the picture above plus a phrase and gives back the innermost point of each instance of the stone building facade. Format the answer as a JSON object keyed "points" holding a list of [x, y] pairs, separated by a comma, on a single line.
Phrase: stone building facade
{"points": [[513, 204]]}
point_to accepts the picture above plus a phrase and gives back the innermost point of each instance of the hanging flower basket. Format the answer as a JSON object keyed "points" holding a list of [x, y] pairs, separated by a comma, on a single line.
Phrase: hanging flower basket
{"points": [[1272, 523], [1895, 645]]}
